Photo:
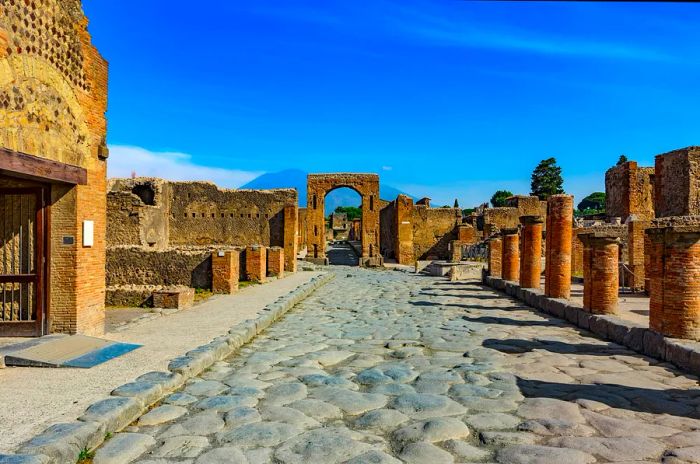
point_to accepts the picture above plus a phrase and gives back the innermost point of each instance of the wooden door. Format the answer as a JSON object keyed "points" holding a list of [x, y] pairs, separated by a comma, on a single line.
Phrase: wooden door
{"points": [[23, 243]]}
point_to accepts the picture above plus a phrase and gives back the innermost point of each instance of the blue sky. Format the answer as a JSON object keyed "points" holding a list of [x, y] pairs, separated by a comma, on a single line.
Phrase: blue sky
{"points": [[441, 98]]}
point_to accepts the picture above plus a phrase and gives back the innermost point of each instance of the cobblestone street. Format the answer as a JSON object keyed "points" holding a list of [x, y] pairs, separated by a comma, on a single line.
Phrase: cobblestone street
{"points": [[387, 367]]}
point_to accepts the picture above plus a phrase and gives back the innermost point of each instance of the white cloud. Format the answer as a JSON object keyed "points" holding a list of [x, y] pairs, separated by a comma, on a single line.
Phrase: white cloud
{"points": [[124, 159], [387, 168]]}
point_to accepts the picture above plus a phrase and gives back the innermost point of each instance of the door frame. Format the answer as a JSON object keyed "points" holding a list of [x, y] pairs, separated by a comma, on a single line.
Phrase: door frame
{"points": [[37, 327]]}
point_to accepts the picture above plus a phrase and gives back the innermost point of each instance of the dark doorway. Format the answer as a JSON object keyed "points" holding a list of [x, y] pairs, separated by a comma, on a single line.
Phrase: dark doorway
{"points": [[23, 241]]}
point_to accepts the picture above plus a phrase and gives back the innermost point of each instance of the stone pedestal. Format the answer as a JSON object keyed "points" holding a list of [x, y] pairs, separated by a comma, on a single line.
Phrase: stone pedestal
{"points": [[275, 262], [511, 255], [601, 279], [495, 257], [531, 256], [560, 217], [225, 271], [174, 298], [674, 280], [256, 263]]}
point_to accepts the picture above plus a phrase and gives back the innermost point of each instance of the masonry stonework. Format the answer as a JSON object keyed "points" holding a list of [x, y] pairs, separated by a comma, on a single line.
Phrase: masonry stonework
{"points": [[531, 256], [225, 271], [53, 98], [256, 263], [600, 272], [677, 186], [495, 257], [275, 262], [629, 190], [560, 214]]}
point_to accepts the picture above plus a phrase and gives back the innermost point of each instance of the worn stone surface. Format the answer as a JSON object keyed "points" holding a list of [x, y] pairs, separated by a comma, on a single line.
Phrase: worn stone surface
{"points": [[481, 379]]}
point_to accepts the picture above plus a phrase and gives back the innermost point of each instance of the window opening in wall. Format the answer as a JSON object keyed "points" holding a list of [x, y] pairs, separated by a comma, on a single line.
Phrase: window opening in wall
{"points": [[315, 231], [242, 215], [213, 215], [185, 214], [194, 214], [223, 215], [231, 215], [371, 202], [315, 251], [314, 202], [258, 215], [146, 193], [249, 215], [203, 215]]}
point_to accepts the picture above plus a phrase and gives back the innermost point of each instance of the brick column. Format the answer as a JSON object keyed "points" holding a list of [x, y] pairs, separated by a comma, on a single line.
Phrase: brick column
{"points": [[635, 244], [466, 234], [601, 279], [531, 259], [495, 257], [674, 280], [403, 246], [291, 231], [275, 262], [511, 255], [256, 263], [560, 217], [225, 271]]}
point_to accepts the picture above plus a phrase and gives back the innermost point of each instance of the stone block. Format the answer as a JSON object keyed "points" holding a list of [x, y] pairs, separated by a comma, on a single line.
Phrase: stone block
{"points": [[275, 262], [62, 443], [678, 353], [653, 344], [175, 298], [225, 272], [113, 413], [584, 320], [256, 263], [24, 459], [634, 339], [599, 326], [571, 313]]}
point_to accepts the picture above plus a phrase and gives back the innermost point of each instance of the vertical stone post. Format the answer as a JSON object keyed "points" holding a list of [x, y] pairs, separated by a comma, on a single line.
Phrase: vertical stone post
{"points": [[275, 262], [601, 278], [560, 217], [225, 271], [531, 258], [576, 253], [466, 234], [511, 255], [495, 257], [291, 239], [404, 230], [256, 263], [674, 275]]}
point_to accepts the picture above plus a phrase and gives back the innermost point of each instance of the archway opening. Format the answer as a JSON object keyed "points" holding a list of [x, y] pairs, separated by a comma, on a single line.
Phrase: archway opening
{"points": [[343, 226]]}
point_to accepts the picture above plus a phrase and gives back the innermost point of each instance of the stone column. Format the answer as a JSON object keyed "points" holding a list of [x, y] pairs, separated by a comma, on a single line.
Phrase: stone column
{"points": [[256, 263], [225, 271], [495, 257], [404, 230], [531, 259], [560, 217], [275, 262], [635, 252], [601, 278], [511, 255], [674, 280], [291, 231]]}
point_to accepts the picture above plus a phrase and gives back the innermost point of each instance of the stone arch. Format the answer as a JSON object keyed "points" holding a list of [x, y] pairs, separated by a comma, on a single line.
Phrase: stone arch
{"points": [[318, 186]]}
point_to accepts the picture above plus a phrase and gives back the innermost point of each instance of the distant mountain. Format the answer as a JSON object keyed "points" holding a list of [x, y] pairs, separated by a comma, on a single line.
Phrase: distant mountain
{"points": [[295, 178]]}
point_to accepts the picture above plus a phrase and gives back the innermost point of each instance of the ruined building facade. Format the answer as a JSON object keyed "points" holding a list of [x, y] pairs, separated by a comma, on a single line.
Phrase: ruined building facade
{"points": [[53, 98]]}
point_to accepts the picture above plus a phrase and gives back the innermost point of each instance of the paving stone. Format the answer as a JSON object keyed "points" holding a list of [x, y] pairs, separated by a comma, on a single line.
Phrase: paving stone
{"points": [[241, 415], [613, 449], [351, 402], [180, 399], [424, 452], [288, 416], [162, 414], [225, 403], [464, 451], [423, 405], [182, 447], [431, 430], [492, 421], [317, 409], [223, 455], [259, 434], [327, 445], [373, 457], [381, 419], [203, 423], [123, 448], [285, 393], [206, 388], [532, 454]]}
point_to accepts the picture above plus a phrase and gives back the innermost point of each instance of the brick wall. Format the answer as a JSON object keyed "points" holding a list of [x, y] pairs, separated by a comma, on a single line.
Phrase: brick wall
{"points": [[677, 189], [629, 189], [52, 105]]}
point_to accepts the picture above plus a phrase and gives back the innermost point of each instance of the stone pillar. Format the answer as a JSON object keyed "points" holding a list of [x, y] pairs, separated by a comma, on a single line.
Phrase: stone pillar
{"points": [[576, 253], [560, 217], [531, 259], [256, 263], [275, 262], [466, 234], [601, 278], [225, 271], [511, 255], [495, 257], [291, 231], [404, 230], [674, 280], [635, 244]]}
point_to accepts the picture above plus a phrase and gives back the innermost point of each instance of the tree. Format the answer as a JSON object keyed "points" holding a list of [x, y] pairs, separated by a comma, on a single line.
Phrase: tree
{"points": [[456, 203], [546, 179], [595, 201], [468, 211], [499, 198], [622, 160], [353, 212]]}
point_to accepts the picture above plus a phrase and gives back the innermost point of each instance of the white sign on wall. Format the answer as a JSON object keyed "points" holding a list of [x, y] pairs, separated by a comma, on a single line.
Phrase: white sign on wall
{"points": [[88, 233]]}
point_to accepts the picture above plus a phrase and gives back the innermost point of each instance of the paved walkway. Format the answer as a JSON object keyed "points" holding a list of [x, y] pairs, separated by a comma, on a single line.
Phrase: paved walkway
{"points": [[341, 254], [33, 398], [389, 367]]}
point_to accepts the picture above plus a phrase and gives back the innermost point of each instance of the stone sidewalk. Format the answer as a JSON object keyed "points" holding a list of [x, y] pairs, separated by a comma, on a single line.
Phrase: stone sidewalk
{"points": [[34, 398]]}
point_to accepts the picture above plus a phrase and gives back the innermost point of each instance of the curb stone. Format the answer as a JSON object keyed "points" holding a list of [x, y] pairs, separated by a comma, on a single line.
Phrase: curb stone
{"points": [[684, 354], [61, 443]]}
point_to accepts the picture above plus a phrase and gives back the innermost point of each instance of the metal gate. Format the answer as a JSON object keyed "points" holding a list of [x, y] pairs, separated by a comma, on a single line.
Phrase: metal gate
{"points": [[22, 262]]}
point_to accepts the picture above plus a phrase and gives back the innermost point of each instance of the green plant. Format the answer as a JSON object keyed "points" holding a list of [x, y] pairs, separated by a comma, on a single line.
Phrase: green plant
{"points": [[622, 160], [85, 456], [499, 198], [546, 179], [353, 212], [595, 201]]}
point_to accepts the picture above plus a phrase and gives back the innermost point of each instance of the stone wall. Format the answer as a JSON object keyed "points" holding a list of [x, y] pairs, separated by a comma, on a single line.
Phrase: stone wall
{"points": [[53, 98], [677, 189], [433, 230], [629, 190]]}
